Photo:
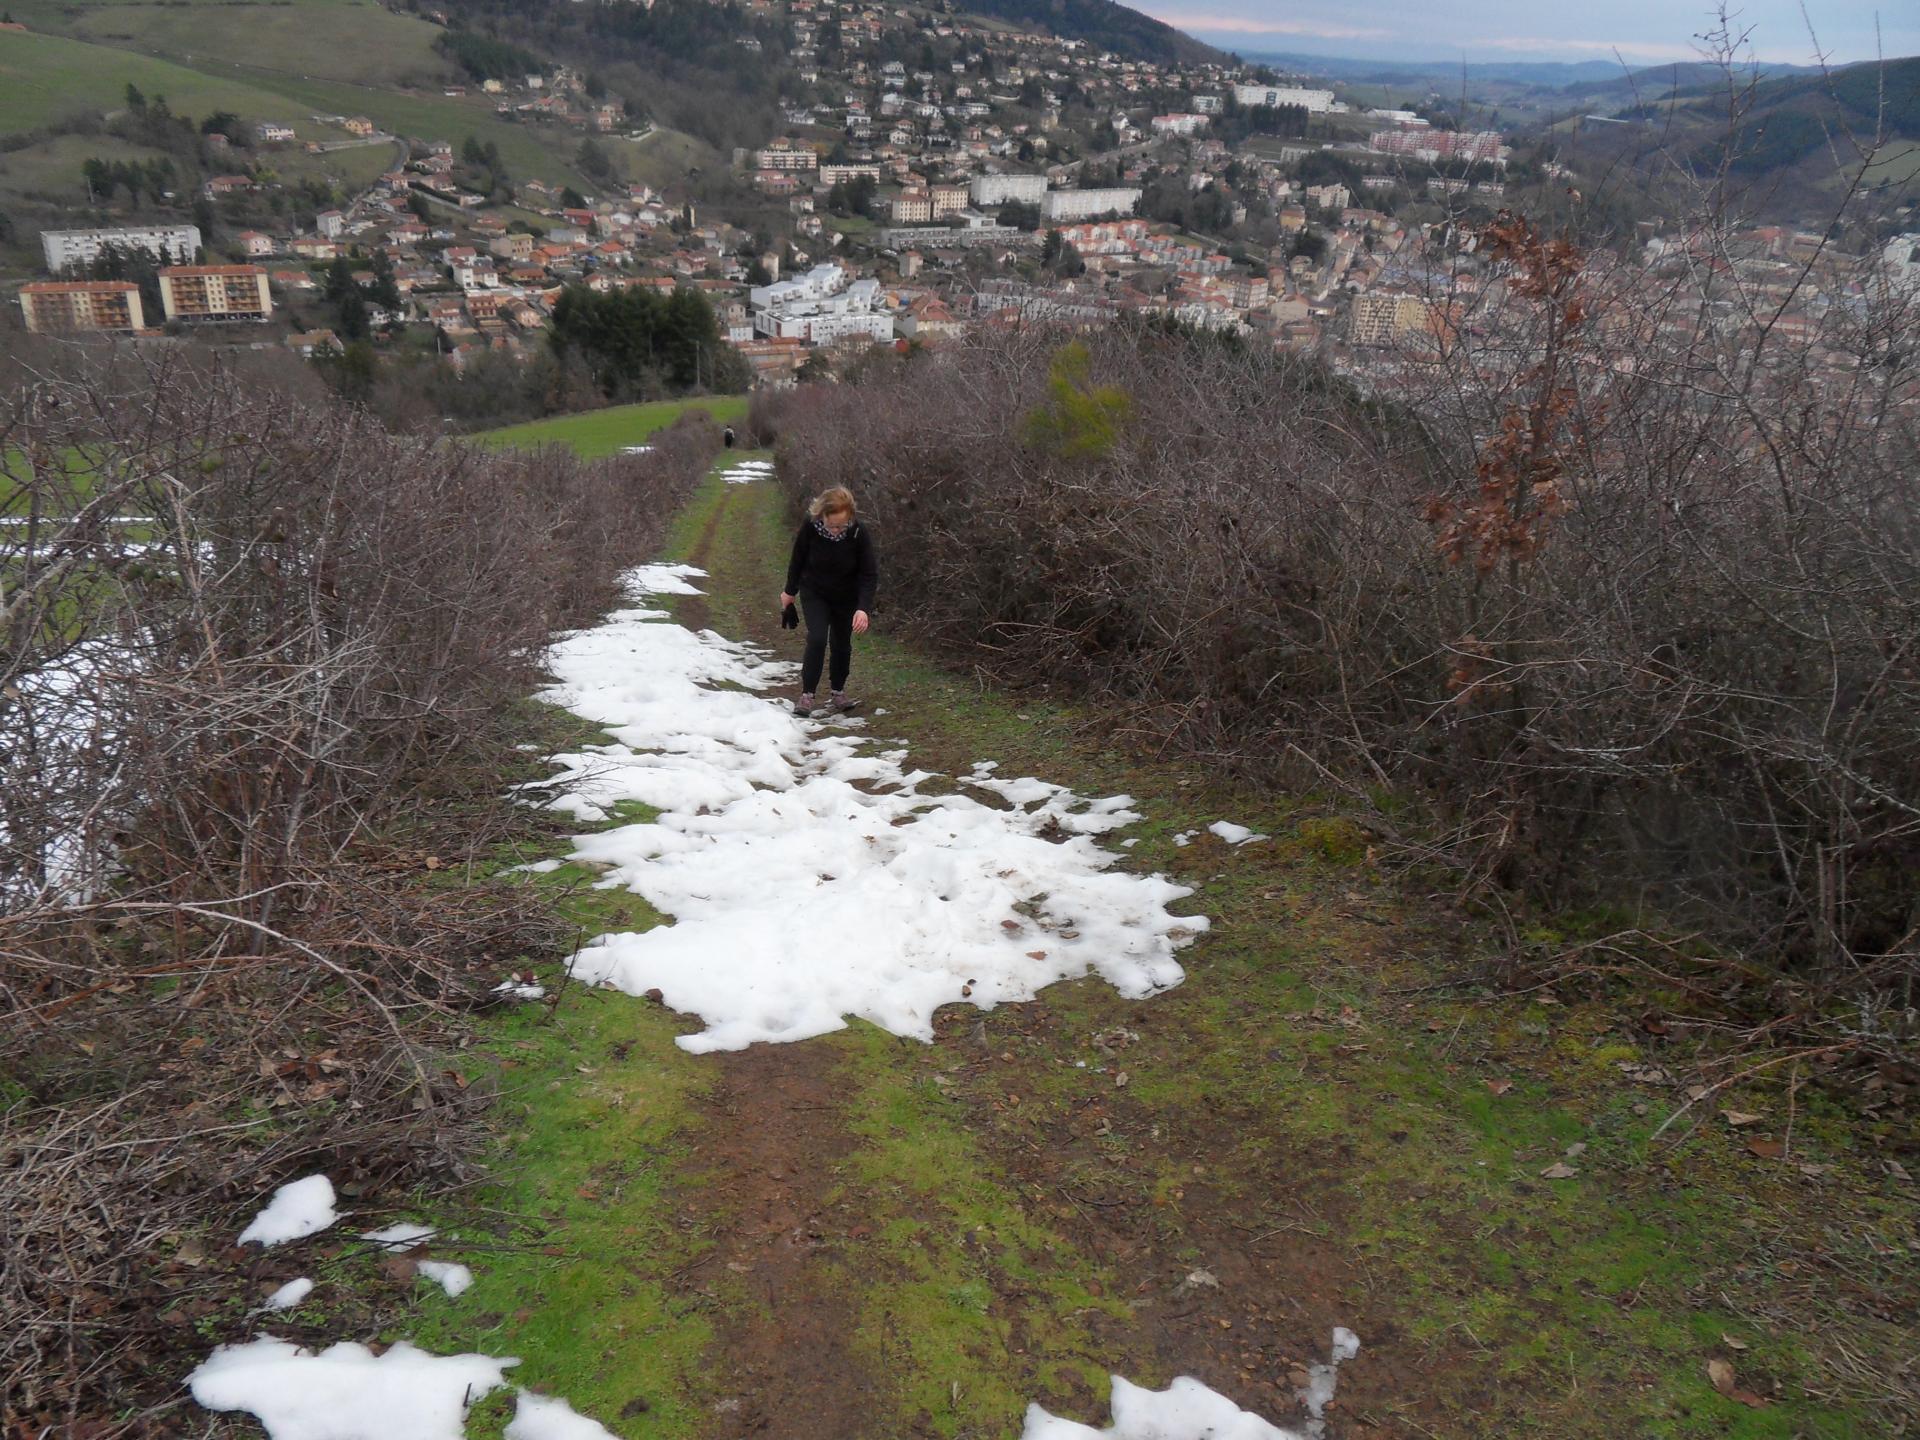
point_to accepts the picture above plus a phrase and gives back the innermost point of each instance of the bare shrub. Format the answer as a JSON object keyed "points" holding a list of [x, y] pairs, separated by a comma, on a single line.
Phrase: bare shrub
{"points": [[1631, 623], [247, 649]]}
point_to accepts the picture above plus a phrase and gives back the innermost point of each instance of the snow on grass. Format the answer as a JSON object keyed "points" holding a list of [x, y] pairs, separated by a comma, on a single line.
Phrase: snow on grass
{"points": [[346, 1392], [745, 472], [288, 1295], [298, 1209], [1234, 834], [1185, 1410], [542, 1417], [808, 877], [452, 1277], [401, 1236]]}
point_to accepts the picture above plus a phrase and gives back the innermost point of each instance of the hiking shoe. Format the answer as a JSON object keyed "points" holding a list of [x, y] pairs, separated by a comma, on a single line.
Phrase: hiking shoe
{"points": [[839, 703], [804, 705]]}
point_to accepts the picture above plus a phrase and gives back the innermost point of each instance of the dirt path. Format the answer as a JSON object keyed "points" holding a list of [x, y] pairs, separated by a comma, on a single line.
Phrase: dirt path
{"points": [[773, 1134], [1330, 1123]]}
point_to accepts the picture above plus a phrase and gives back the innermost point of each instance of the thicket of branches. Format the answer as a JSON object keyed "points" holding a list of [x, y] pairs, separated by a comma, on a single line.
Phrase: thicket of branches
{"points": [[260, 663], [1622, 593]]}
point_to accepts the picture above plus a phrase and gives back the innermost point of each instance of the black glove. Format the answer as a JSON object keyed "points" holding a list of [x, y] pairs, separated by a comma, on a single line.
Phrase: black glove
{"points": [[789, 618]]}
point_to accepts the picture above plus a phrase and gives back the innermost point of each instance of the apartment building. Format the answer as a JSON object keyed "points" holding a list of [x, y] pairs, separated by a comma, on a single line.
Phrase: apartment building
{"points": [[1380, 319], [1317, 101], [1086, 204], [785, 155], [1008, 189], [215, 293], [71, 249], [947, 200], [61, 307]]}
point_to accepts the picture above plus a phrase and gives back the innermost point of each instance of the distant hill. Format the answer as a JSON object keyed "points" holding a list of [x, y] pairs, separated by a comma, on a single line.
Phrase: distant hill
{"points": [[1552, 74], [1101, 23]]}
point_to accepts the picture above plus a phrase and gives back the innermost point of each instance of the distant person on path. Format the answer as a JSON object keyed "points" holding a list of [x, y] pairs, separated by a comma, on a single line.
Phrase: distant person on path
{"points": [[726, 437], [832, 574]]}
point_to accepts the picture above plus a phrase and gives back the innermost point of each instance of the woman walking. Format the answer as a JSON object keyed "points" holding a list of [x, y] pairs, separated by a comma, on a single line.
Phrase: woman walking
{"points": [[832, 575]]}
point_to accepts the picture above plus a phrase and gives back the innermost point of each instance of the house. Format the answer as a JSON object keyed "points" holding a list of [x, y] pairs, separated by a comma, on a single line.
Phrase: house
{"points": [[314, 342], [330, 223], [257, 246], [273, 133], [357, 125], [308, 249], [220, 185]]}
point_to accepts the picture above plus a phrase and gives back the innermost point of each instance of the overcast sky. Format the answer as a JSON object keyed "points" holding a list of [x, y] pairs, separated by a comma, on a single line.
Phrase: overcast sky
{"points": [[1641, 31]]}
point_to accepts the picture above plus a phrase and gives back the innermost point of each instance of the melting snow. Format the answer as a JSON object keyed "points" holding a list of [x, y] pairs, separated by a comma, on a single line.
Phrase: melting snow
{"points": [[1322, 1379], [452, 1277], [402, 1236], [298, 1209], [1234, 834], [1185, 1410], [346, 1392], [808, 877], [289, 1295], [541, 1417]]}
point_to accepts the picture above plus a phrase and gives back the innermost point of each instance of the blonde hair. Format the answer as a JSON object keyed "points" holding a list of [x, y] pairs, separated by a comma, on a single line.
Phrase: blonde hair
{"points": [[832, 502]]}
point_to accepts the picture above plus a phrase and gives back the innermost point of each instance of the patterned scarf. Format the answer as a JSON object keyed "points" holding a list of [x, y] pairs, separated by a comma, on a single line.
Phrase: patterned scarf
{"points": [[828, 533]]}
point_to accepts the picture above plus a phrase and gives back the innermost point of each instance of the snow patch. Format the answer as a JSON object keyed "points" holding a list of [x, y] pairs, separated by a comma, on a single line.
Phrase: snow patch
{"points": [[288, 1295], [520, 990], [807, 876], [1185, 1410], [1323, 1379], [452, 1277], [346, 1392], [298, 1209], [543, 1417], [401, 1236], [1234, 834]]}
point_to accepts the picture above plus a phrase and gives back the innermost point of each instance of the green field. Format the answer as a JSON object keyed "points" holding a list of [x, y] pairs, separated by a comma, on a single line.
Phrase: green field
{"points": [[383, 48], [45, 77], [603, 432]]}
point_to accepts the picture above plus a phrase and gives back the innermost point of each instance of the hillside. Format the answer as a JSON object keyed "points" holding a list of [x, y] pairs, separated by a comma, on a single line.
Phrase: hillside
{"points": [[1104, 24], [1800, 140]]}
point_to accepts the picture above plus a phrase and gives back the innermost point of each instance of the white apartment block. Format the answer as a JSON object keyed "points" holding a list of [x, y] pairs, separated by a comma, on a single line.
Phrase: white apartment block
{"points": [[1178, 124], [1086, 204], [169, 244], [1317, 101], [1008, 189], [819, 308]]}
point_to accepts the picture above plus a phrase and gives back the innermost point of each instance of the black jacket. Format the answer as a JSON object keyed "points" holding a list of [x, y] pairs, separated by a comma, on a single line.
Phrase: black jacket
{"points": [[843, 570]]}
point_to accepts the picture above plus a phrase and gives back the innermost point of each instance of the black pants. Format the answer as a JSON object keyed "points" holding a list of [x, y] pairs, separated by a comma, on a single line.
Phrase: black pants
{"points": [[826, 620]]}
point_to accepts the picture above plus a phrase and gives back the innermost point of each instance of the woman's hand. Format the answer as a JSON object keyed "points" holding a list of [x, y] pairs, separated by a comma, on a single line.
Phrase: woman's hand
{"points": [[785, 599], [859, 622]]}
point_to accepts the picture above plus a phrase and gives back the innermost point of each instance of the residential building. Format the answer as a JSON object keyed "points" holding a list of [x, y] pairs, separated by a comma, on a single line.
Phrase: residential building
{"points": [[1427, 144], [1379, 318], [1086, 204], [1008, 189], [331, 224], [1316, 101], [357, 125], [62, 307], [215, 292], [69, 249], [947, 200], [273, 133], [835, 174], [515, 246], [1178, 124], [785, 155], [256, 244]]}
